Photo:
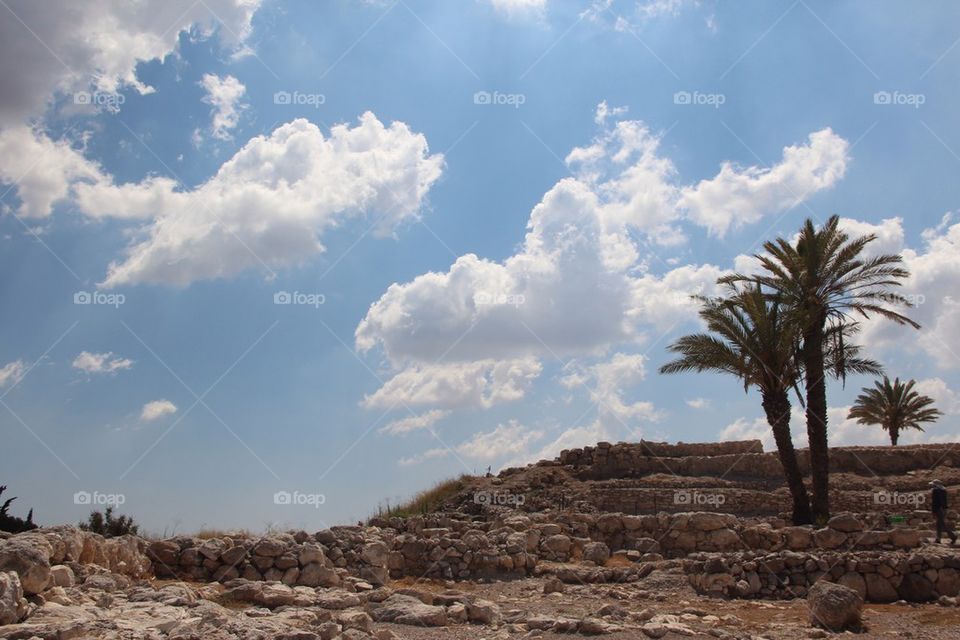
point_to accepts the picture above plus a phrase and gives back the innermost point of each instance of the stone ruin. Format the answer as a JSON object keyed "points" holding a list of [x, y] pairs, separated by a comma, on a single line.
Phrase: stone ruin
{"points": [[756, 554]]}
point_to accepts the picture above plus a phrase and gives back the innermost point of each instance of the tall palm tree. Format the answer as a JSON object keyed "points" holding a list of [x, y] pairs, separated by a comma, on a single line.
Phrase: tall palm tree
{"points": [[825, 279], [751, 337], [894, 407]]}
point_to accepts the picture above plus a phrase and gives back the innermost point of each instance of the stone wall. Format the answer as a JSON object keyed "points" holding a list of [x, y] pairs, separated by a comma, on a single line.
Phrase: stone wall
{"points": [[743, 459], [456, 551], [878, 576]]}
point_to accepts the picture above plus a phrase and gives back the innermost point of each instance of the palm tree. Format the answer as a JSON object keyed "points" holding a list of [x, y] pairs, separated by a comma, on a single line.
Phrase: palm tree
{"points": [[894, 407], [824, 280], [752, 338]]}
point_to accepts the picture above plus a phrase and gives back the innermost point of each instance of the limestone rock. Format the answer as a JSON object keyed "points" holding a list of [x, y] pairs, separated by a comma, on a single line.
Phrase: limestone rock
{"points": [[13, 606], [834, 606], [403, 609]]}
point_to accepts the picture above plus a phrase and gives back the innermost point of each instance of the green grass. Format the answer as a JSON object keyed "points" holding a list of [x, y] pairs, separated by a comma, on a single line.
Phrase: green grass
{"points": [[425, 501]]}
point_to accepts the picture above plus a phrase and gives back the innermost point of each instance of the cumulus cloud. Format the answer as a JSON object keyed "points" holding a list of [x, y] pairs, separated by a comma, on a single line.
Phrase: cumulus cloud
{"points": [[698, 403], [100, 362], [481, 383], [489, 446], [605, 382], [932, 285], [44, 171], [157, 409], [224, 95], [64, 46], [270, 203], [742, 195], [12, 372], [417, 422], [578, 283], [945, 398]]}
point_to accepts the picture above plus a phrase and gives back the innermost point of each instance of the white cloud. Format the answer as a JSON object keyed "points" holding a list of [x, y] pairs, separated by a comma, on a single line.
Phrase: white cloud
{"points": [[742, 195], [698, 403], [270, 203], [224, 95], [424, 420], [100, 362], [65, 46], [157, 409], [43, 170], [12, 372], [504, 440], [945, 398], [932, 287], [481, 383], [513, 8], [605, 382], [747, 429]]}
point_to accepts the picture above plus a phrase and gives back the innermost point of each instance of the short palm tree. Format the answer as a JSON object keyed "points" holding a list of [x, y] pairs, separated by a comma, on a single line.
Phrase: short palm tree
{"points": [[824, 279], [894, 406]]}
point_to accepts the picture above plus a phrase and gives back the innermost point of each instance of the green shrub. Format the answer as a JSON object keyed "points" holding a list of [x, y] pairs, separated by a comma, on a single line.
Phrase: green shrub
{"points": [[110, 526], [13, 524]]}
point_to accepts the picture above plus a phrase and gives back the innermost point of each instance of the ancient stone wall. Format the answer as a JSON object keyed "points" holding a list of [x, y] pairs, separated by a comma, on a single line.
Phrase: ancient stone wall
{"points": [[743, 459], [877, 575]]}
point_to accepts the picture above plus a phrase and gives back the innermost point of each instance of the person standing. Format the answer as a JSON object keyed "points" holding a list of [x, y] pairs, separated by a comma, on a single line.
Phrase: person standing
{"points": [[938, 504]]}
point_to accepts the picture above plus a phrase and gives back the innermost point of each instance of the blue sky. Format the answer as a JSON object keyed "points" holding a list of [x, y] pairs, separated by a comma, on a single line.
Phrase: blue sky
{"points": [[491, 213]]}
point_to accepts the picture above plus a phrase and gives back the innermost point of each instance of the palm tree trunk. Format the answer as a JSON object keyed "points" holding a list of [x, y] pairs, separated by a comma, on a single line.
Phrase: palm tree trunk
{"points": [[777, 408], [816, 390], [894, 435]]}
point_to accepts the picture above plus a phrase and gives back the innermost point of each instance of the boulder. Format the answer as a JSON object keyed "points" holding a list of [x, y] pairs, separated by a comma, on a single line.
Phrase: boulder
{"points": [[29, 556], [62, 576], [916, 588], [834, 607], [375, 554], [318, 575], [13, 606], [706, 521], [828, 538], [855, 581], [905, 538], [269, 547], [879, 589], [797, 538], [402, 609], [596, 552], [845, 522], [483, 612]]}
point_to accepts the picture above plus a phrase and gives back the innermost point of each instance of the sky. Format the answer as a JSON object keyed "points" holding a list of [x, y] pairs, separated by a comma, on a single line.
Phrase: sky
{"points": [[273, 264]]}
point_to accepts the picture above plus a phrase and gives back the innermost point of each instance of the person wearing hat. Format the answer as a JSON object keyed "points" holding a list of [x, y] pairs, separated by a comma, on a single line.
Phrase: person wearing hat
{"points": [[938, 504]]}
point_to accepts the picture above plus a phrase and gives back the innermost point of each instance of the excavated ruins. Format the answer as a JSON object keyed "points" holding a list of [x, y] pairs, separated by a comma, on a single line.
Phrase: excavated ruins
{"points": [[628, 540]]}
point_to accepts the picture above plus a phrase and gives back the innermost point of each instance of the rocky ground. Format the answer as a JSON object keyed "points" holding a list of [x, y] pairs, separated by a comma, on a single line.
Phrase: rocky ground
{"points": [[659, 605]]}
